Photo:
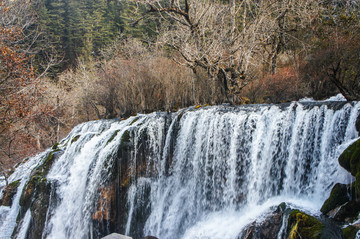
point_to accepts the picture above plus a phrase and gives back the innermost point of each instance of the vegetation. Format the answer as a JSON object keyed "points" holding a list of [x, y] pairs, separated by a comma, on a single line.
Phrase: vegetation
{"points": [[69, 61], [302, 225]]}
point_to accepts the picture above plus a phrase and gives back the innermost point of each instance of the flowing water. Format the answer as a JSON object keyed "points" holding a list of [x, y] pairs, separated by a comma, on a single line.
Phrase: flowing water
{"points": [[197, 173]]}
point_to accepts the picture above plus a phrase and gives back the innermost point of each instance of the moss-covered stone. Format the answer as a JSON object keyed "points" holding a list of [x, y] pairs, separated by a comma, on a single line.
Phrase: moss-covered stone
{"points": [[36, 195], [75, 139], [338, 197], [133, 122], [55, 146], [9, 193], [125, 138], [301, 225], [350, 232], [350, 158], [37, 181], [112, 136], [348, 212]]}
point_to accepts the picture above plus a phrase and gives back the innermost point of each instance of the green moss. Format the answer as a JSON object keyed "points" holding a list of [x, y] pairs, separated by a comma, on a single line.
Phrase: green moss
{"points": [[282, 206], [55, 146], [9, 192], [302, 225], [348, 212], [338, 197], [14, 184], [125, 138], [350, 158], [133, 122], [112, 136], [75, 139], [350, 232]]}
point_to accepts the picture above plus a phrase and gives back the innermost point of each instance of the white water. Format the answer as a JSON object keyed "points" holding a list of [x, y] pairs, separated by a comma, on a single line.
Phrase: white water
{"points": [[9, 215], [229, 166]]}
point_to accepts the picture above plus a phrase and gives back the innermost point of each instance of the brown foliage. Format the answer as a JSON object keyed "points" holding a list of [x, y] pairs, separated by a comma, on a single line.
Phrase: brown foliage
{"points": [[21, 111], [334, 64], [285, 85], [133, 79]]}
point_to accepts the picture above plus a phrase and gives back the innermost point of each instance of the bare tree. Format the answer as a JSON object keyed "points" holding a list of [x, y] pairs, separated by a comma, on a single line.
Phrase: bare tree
{"points": [[228, 39]]}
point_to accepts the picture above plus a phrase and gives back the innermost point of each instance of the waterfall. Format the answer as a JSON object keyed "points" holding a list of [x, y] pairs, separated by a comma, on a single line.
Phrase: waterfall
{"points": [[196, 173]]}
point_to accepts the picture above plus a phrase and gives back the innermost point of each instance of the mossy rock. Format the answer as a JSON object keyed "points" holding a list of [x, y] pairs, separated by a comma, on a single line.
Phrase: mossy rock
{"points": [[338, 196], [73, 140], [125, 138], [350, 232], [302, 225], [112, 136], [9, 193], [55, 146], [350, 158], [133, 122], [38, 181], [348, 212]]}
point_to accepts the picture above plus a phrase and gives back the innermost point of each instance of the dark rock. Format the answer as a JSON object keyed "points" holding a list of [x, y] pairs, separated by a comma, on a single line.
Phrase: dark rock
{"points": [[9, 193], [36, 196], [357, 124], [348, 212], [338, 196], [350, 232], [268, 228], [350, 158], [150, 237]]}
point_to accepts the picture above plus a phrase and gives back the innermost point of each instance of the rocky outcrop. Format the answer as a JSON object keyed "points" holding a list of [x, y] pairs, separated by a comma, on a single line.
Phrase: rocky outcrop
{"points": [[343, 204], [9, 193], [36, 195]]}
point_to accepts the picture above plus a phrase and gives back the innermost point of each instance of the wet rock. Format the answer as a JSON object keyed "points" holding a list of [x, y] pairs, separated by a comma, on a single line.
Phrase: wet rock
{"points": [[348, 212], [150, 237], [350, 232], [350, 158], [9, 193], [302, 225], [338, 196], [116, 236], [357, 124], [36, 196], [268, 228]]}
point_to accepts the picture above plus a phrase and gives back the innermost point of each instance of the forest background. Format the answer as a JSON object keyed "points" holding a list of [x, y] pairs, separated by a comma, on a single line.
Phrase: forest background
{"points": [[63, 62]]}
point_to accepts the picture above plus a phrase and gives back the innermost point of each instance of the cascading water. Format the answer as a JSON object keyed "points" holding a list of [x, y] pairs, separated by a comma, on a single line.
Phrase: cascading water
{"points": [[204, 173]]}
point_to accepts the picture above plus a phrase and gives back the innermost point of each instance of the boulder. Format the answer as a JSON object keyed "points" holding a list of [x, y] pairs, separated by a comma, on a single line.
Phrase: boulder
{"points": [[268, 228], [338, 197], [302, 225], [116, 236]]}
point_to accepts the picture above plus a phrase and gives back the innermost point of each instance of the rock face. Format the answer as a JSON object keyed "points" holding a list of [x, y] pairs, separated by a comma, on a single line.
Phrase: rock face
{"points": [[36, 195], [9, 192], [343, 205]]}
